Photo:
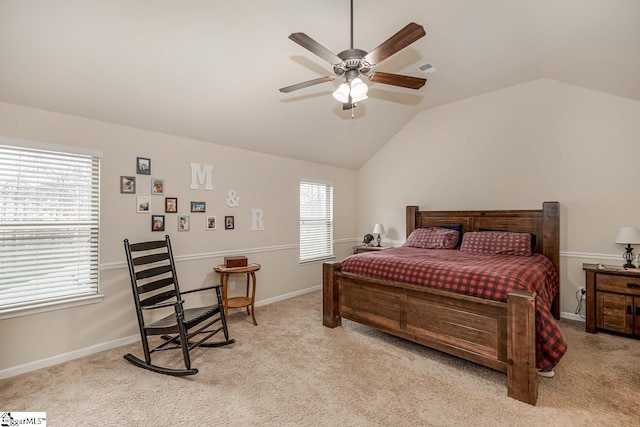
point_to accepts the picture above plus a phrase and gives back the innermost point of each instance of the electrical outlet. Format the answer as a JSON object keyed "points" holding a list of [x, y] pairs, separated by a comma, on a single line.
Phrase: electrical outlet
{"points": [[583, 292], [232, 285]]}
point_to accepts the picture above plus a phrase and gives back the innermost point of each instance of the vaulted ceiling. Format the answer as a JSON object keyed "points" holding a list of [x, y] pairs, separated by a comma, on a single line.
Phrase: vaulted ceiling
{"points": [[211, 69]]}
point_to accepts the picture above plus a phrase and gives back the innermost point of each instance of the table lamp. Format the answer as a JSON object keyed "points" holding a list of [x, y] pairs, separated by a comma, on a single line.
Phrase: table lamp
{"points": [[628, 236], [378, 229]]}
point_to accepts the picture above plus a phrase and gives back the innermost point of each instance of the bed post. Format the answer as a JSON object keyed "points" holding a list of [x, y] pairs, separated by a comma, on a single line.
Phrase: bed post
{"points": [[551, 243], [330, 295], [411, 218], [522, 378]]}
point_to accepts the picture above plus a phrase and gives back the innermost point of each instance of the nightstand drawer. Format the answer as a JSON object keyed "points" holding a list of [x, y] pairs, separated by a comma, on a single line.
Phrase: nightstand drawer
{"points": [[618, 284]]}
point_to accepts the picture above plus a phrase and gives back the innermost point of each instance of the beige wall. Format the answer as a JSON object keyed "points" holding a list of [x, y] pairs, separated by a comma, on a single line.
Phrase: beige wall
{"points": [[513, 149], [509, 149], [262, 181]]}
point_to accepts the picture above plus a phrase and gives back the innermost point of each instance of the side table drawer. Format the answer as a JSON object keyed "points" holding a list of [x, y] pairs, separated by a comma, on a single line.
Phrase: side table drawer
{"points": [[618, 284]]}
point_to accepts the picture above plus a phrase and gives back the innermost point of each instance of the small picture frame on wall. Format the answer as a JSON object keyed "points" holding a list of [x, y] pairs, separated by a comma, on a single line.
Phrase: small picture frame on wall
{"points": [[211, 223], [143, 166], [198, 206], [184, 223], [128, 184], [157, 222], [143, 204], [157, 186], [171, 205], [229, 222]]}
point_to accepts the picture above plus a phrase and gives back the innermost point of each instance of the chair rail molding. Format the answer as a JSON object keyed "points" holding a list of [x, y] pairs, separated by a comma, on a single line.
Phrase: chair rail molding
{"points": [[218, 254]]}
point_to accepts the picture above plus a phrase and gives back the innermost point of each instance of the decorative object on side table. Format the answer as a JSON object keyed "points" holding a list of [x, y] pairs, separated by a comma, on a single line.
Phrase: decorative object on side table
{"points": [[235, 261], [628, 236], [378, 229]]}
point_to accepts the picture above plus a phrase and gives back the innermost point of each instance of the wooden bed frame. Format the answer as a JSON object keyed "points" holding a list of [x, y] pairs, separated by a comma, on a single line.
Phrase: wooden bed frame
{"points": [[499, 335]]}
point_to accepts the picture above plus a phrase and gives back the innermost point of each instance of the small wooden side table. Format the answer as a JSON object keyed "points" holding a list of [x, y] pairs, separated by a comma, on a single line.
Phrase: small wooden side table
{"points": [[239, 302]]}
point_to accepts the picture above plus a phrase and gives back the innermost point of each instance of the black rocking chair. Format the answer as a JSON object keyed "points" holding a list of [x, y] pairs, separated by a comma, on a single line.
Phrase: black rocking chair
{"points": [[155, 286]]}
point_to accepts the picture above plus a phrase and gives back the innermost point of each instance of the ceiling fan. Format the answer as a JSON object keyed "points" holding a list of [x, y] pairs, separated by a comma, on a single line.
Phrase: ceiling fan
{"points": [[352, 63]]}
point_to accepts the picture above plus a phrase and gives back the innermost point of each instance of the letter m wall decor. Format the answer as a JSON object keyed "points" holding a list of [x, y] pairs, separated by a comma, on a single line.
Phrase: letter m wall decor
{"points": [[201, 176]]}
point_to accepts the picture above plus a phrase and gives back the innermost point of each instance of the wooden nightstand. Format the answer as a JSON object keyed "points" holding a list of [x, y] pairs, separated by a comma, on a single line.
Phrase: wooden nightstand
{"points": [[361, 248], [613, 299]]}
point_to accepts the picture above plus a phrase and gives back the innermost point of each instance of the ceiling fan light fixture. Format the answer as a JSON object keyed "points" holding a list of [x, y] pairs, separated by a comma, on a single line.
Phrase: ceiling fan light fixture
{"points": [[358, 89], [351, 64], [355, 99], [342, 93]]}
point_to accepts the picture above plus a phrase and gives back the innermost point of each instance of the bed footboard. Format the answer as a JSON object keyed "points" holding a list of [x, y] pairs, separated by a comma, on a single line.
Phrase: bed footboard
{"points": [[498, 335]]}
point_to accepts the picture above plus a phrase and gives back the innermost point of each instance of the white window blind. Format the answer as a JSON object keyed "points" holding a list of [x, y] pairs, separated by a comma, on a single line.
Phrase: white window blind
{"points": [[316, 221], [49, 223]]}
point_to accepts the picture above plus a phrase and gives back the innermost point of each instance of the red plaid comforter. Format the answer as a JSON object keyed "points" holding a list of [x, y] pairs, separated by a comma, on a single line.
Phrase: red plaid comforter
{"points": [[480, 275]]}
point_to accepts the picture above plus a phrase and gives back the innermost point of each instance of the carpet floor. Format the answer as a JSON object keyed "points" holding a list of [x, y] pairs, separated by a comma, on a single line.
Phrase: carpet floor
{"points": [[291, 371]]}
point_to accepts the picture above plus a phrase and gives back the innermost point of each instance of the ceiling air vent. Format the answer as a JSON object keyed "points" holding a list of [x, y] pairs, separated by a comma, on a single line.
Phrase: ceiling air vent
{"points": [[428, 68]]}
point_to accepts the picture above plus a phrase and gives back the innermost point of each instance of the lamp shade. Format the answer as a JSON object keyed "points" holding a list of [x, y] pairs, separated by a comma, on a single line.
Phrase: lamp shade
{"points": [[342, 93], [358, 98], [358, 88], [378, 229], [628, 236]]}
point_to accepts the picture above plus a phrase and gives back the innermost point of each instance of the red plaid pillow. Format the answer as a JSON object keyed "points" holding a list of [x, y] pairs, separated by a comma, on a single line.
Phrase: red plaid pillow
{"points": [[497, 242], [432, 238]]}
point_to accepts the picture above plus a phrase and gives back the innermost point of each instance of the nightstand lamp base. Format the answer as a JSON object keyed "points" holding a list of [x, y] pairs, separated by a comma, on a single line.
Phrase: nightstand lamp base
{"points": [[378, 229], [628, 236]]}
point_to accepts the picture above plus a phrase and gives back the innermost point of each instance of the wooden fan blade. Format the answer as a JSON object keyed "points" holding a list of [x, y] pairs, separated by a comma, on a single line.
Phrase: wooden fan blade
{"points": [[314, 47], [397, 80], [306, 84], [395, 43]]}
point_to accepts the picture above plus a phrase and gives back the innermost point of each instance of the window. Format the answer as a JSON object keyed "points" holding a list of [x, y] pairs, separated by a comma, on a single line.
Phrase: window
{"points": [[49, 223], [316, 221]]}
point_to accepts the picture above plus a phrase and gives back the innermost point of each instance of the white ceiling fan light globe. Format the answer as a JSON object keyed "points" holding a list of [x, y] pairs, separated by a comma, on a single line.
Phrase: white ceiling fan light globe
{"points": [[355, 99], [358, 89], [342, 93]]}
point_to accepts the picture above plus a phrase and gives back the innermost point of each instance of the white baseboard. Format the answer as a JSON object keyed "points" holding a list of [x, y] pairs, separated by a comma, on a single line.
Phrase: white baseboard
{"points": [[572, 316], [65, 357], [287, 296]]}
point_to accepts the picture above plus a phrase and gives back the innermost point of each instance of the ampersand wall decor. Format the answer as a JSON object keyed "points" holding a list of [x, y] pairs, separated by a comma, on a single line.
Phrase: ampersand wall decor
{"points": [[233, 199]]}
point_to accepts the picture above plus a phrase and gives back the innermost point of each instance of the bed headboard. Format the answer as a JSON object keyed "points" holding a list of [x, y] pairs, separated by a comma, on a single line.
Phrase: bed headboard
{"points": [[543, 223]]}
